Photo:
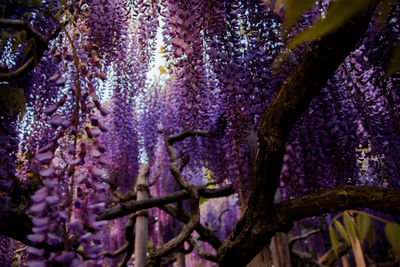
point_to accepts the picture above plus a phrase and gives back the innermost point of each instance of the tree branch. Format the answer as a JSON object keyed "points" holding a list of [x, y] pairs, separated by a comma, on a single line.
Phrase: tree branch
{"points": [[301, 256], [341, 198], [123, 209], [304, 236], [200, 251], [129, 244], [168, 261], [129, 240], [171, 245], [338, 199], [23, 25], [331, 256], [317, 66], [12, 75], [156, 177], [206, 234], [182, 136], [41, 46], [220, 220]]}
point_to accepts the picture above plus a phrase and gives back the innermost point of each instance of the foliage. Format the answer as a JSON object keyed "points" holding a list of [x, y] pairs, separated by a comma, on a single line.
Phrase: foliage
{"points": [[336, 15], [357, 225], [13, 99]]}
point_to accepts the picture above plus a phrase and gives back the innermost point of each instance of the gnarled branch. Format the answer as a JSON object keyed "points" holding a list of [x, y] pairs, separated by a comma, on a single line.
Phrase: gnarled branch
{"points": [[155, 256], [123, 209], [206, 234], [200, 251], [341, 198], [23, 25], [129, 244], [315, 68], [33, 59]]}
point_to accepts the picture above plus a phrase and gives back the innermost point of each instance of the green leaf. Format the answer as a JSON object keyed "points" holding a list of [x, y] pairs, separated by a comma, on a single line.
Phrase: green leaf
{"points": [[22, 36], [395, 62], [58, 13], [392, 231], [342, 231], [13, 99], [294, 9], [337, 14], [28, 47], [334, 239], [350, 228], [370, 236], [14, 47], [63, 2], [364, 226], [202, 200], [4, 39], [6, 97], [20, 101]]}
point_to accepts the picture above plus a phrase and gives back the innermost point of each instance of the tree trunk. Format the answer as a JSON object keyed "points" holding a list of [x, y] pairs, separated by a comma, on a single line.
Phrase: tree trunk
{"points": [[141, 230], [263, 258], [280, 244], [280, 250], [180, 259], [314, 69]]}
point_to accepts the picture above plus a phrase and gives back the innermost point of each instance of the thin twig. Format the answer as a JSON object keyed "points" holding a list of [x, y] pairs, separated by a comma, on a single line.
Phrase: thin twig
{"points": [[304, 236], [220, 220], [200, 251], [156, 177]]}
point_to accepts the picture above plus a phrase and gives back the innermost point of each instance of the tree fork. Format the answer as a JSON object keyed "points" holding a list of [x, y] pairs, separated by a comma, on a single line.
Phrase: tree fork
{"points": [[316, 67]]}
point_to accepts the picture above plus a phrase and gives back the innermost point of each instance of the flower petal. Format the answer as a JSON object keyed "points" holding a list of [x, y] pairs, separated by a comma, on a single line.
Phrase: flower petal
{"points": [[40, 195], [35, 251], [46, 172], [50, 183], [38, 208], [39, 222], [53, 240], [45, 158], [51, 109], [36, 264], [98, 172], [53, 199], [36, 238]]}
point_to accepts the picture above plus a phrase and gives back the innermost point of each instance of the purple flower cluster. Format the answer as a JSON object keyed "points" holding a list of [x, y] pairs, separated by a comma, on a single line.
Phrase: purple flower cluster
{"points": [[222, 77]]}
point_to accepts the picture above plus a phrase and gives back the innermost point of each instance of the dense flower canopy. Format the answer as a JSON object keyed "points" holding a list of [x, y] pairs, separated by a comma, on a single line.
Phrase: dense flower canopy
{"points": [[242, 120]]}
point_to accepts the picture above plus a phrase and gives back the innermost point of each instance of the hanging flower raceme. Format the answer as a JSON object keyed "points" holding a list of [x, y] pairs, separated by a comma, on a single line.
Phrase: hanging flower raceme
{"points": [[74, 172], [45, 205], [76, 211]]}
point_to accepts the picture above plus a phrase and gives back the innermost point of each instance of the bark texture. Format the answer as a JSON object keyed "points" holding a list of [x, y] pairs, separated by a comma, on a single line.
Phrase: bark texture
{"points": [[316, 67], [34, 56], [141, 230], [125, 208]]}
